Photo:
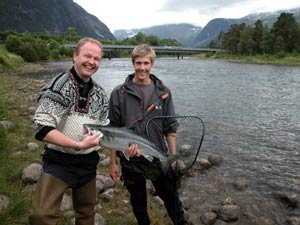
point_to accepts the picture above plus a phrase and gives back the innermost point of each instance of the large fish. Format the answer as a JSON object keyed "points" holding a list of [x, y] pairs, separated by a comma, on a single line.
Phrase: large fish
{"points": [[119, 138]]}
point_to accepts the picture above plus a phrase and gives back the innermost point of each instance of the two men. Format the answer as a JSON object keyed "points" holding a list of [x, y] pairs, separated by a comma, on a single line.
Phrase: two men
{"points": [[72, 99]]}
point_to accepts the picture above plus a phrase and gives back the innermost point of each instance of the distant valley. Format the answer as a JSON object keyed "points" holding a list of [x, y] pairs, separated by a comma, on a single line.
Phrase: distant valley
{"points": [[54, 17]]}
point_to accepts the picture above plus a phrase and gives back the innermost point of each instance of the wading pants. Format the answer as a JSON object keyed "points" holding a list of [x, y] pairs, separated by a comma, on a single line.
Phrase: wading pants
{"points": [[48, 196], [166, 189]]}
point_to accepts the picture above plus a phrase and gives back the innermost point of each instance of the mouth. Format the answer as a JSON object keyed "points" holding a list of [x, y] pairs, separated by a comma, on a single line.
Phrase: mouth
{"points": [[89, 67]]}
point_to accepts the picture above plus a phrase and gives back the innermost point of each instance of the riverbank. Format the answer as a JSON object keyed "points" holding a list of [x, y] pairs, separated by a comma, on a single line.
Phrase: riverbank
{"points": [[280, 60]]}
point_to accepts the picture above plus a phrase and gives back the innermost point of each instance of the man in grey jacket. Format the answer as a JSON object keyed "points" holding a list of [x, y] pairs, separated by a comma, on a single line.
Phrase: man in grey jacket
{"points": [[132, 104]]}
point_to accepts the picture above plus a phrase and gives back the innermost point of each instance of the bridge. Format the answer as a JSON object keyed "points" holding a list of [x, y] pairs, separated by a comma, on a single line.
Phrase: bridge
{"points": [[177, 50]]}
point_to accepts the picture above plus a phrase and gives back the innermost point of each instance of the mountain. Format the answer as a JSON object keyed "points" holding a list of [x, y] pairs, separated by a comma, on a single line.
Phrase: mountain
{"points": [[212, 30], [183, 32], [51, 17]]}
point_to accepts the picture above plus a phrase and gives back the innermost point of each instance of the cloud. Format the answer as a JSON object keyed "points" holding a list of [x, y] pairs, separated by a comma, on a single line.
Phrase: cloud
{"points": [[202, 6]]}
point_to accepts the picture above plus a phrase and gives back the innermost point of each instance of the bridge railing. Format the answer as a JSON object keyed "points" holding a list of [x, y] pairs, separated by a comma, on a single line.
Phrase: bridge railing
{"points": [[177, 50]]}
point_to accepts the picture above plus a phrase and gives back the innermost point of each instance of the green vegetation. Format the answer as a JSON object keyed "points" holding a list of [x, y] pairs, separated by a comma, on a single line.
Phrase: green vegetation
{"points": [[9, 60], [281, 40], [34, 47], [141, 38]]}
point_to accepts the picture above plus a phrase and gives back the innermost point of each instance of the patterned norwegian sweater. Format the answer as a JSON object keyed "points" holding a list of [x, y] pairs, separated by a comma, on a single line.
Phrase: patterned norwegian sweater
{"points": [[66, 103]]}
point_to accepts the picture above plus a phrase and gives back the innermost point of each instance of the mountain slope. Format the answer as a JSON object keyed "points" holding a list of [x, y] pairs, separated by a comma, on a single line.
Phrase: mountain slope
{"points": [[212, 30], [183, 33], [51, 17]]}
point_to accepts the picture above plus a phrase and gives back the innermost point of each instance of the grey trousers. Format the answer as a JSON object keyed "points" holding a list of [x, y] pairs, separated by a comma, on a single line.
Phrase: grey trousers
{"points": [[47, 199]]}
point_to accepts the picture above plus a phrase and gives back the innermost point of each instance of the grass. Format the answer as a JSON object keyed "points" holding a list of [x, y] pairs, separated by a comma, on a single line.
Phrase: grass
{"points": [[277, 59], [8, 60]]}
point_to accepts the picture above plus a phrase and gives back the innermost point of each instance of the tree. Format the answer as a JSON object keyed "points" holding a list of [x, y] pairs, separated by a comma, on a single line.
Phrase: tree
{"points": [[267, 42], [70, 35], [232, 38], [258, 36], [246, 44], [287, 28]]}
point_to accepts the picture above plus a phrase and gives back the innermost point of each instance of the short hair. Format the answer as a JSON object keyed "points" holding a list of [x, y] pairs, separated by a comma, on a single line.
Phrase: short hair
{"points": [[82, 41], [143, 50]]}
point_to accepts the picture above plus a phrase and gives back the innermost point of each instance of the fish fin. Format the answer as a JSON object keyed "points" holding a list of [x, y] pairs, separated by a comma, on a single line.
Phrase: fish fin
{"points": [[126, 156], [149, 158]]}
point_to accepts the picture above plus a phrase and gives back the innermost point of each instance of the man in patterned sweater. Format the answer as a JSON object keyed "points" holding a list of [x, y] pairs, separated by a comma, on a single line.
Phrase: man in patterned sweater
{"points": [[70, 160]]}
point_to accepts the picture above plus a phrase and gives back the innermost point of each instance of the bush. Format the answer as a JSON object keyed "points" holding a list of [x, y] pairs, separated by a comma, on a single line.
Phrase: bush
{"points": [[28, 52], [55, 54], [32, 49], [13, 44]]}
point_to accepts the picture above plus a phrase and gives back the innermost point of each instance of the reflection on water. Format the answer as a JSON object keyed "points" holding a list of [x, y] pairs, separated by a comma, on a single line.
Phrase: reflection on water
{"points": [[251, 114]]}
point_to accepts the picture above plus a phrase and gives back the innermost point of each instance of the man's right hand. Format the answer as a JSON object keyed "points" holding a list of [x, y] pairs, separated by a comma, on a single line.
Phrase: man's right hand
{"points": [[114, 172]]}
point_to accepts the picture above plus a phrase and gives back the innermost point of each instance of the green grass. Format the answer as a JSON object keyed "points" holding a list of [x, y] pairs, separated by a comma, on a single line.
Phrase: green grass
{"points": [[276, 59], [8, 60]]}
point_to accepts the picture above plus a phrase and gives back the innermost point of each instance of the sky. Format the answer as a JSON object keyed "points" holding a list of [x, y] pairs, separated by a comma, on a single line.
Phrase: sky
{"points": [[134, 14]]}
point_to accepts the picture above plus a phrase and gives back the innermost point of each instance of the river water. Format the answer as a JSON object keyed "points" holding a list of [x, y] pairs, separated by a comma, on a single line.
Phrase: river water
{"points": [[251, 113]]}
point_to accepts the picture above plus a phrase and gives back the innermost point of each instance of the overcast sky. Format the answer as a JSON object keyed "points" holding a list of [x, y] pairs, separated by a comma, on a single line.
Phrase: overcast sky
{"points": [[131, 14]]}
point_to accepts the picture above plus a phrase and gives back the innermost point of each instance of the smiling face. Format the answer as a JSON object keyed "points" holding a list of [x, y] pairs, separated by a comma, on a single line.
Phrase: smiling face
{"points": [[142, 66], [87, 60]]}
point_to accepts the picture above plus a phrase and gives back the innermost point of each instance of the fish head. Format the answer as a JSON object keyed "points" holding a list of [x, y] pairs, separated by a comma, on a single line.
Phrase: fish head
{"points": [[89, 129]]}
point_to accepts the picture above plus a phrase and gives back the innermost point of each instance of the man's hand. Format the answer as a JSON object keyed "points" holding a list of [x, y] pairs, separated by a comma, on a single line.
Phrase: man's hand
{"points": [[90, 140], [114, 172], [133, 150]]}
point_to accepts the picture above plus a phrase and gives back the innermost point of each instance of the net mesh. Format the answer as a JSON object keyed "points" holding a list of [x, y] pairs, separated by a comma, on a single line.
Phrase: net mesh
{"points": [[189, 138]]}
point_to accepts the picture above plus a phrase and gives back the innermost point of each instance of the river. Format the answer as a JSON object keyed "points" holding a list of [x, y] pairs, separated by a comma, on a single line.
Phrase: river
{"points": [[251, 113]]}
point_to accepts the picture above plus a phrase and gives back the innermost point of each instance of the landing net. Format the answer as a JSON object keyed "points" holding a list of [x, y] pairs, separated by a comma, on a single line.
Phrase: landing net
{"points": [[189, 138]]}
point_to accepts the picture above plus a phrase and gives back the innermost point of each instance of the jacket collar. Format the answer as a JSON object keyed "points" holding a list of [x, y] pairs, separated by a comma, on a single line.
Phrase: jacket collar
{"points": [[159, 86]]}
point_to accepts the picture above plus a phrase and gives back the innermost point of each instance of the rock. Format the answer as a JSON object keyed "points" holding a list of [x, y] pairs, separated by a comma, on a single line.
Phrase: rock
{"points": [[201, 164], [290, 199], [158, 201], [185, 150], [4, 202], [241, 184], [208, 218], [29, 188], [228, 201], [66, 203], [7, 124], [215, 160], [229, 213], [99, 220], [108, 194], [31, 173], [104, 162], [293, 220], [32, 146], [103, 183]]}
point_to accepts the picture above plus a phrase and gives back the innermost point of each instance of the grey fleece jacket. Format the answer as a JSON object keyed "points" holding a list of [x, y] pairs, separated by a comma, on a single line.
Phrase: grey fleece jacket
{"points": [[125, 111]]}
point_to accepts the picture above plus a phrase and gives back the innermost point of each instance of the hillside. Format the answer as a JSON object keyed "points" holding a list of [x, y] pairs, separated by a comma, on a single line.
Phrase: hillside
{"points": [[215, 26], [50, 17], [183, 33]]}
